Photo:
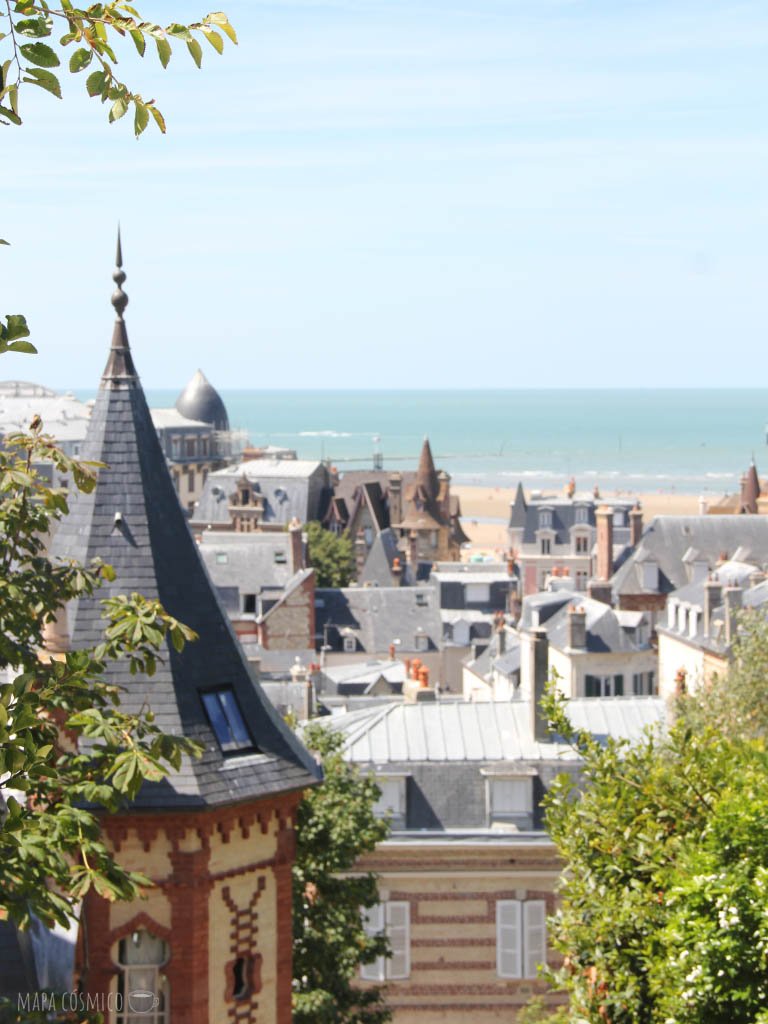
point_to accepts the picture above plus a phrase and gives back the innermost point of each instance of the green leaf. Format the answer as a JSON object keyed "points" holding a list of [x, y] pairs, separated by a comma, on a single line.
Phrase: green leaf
{"points": [[140, 118], [33, 27], [138, 41], [10, 116], [3, 242], [16, 327], [213, 38], [196, 50], [95, 83], [45, 79], [159, 119], [22, 346], [119, 108], [163, 51], [40, 54], [80, 59]]}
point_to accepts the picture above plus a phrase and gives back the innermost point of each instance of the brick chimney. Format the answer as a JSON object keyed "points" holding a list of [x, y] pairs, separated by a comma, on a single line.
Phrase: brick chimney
{"points": [[604, 516], [297, 545], [577, 628], [395, 498], [635, 525], [712, 598], [732, 599], [534, 673]]}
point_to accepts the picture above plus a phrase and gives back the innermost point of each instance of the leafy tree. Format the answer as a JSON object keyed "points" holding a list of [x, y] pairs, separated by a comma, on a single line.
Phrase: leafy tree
{"points": [[51, 853], [662, 917], [331, 556], [335, 826]]}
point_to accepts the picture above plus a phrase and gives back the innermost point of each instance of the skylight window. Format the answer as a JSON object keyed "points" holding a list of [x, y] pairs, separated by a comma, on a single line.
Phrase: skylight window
{"points": [[227, 721]]}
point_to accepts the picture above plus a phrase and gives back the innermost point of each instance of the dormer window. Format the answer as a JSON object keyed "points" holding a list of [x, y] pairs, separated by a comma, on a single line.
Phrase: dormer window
{"points": [[618, 517], [545, 519], [581, 514], [509, 800], [227, 721]]}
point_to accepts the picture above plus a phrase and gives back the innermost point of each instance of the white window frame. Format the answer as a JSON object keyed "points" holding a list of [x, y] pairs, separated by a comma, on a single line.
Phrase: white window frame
{"points": [[393, 919], [494, 799], [350, 644], [477, 593], [392, 803], [521, 937], [145, 979], [421, 642]]}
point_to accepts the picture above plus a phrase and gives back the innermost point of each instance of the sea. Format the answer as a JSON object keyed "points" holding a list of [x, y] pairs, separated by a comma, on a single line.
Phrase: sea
{"points": [[689, 441]]}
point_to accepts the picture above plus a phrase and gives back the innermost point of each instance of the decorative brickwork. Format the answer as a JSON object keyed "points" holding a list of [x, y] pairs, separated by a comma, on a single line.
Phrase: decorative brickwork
{"points": [[243, 943]]}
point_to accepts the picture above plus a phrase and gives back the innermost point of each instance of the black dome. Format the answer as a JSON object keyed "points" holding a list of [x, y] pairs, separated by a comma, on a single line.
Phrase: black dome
{"points": [[201, 401]]}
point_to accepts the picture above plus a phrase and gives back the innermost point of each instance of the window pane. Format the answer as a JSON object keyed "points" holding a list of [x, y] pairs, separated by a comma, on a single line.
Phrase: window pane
{"points": [[398, 931], [510, 796], [373, 924], [234, 718], [508, 945], [535, 922]]}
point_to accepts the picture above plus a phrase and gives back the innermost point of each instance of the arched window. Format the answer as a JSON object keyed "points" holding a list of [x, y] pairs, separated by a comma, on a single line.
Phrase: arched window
{"points": [[142, 987]]}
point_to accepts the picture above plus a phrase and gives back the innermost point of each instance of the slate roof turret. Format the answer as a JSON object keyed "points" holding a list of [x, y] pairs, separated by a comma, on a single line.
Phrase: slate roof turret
{"points": [[134, 522]]}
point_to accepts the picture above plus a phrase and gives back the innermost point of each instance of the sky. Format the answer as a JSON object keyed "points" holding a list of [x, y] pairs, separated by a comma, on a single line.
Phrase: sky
{"points": [[410, 193]]}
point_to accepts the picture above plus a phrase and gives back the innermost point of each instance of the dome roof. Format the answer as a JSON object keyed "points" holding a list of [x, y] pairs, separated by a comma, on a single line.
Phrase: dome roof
{"points": [[201, 401]]}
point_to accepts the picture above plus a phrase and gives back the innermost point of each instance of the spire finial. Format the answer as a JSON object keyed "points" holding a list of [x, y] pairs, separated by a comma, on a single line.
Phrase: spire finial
{"points": [[119, 298]]}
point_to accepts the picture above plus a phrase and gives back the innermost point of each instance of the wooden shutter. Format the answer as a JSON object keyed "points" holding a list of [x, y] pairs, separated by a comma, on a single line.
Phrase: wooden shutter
{"points": [[509, 952], [373, 924], [399, 934], [535, 932]]}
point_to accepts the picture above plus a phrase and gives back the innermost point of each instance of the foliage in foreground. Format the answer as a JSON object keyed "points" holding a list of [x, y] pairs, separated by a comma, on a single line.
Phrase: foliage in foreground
{"points": [[88, 41], [664, 912], [330, 556], [51, 852], [335, 826]]}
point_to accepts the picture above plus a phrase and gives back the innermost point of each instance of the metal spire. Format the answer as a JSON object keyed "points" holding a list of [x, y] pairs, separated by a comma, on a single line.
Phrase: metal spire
{"points": [[119, 298], [119, 368]]}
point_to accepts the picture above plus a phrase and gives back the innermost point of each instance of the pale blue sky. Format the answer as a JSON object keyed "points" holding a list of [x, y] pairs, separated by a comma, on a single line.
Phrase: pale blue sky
{"points": [[411, 193]]}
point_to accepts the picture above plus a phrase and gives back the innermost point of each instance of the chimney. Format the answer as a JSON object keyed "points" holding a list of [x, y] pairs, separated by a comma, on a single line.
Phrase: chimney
{"points": [[413, 551], [703, 505], [604, 517], [712, 598], [635, 525], [395, 499], [297, 545], [534, 673], [577, 628], [732, 600], [600, 591]]}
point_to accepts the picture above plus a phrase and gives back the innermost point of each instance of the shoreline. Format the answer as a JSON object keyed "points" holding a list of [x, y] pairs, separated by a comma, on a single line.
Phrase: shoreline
{"points": [[485, 512]]}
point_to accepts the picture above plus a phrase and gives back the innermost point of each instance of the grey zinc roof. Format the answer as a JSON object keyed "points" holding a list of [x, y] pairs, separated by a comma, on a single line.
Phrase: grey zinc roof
{"points": [[133, 521], [201, 401], [377, 616], [292, 489], [378, 565], [250, 566], [494, 731], [667, 538]]}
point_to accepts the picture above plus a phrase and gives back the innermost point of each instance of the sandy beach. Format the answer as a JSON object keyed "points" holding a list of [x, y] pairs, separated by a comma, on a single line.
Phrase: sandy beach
{"points": [[485, 511]]}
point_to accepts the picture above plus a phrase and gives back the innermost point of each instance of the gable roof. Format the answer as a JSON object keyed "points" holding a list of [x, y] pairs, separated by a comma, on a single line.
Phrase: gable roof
{"points": [[133, 520], [378, 616], [666, 540]]}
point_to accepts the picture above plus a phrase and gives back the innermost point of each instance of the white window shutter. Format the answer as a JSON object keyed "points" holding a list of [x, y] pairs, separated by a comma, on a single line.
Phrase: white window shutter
{"points": [[509, 946], [373, 924], [399, 933], [535, 922]]}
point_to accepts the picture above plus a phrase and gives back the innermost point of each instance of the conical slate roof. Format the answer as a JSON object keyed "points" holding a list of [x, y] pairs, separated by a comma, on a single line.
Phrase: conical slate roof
{"points": [[517, 516], [201, 401], [750, 490], [133, 521], [427, 484]]}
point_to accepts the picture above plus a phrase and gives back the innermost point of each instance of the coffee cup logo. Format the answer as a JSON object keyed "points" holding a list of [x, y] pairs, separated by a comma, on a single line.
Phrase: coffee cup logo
{"points": [[142, 1001]]}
